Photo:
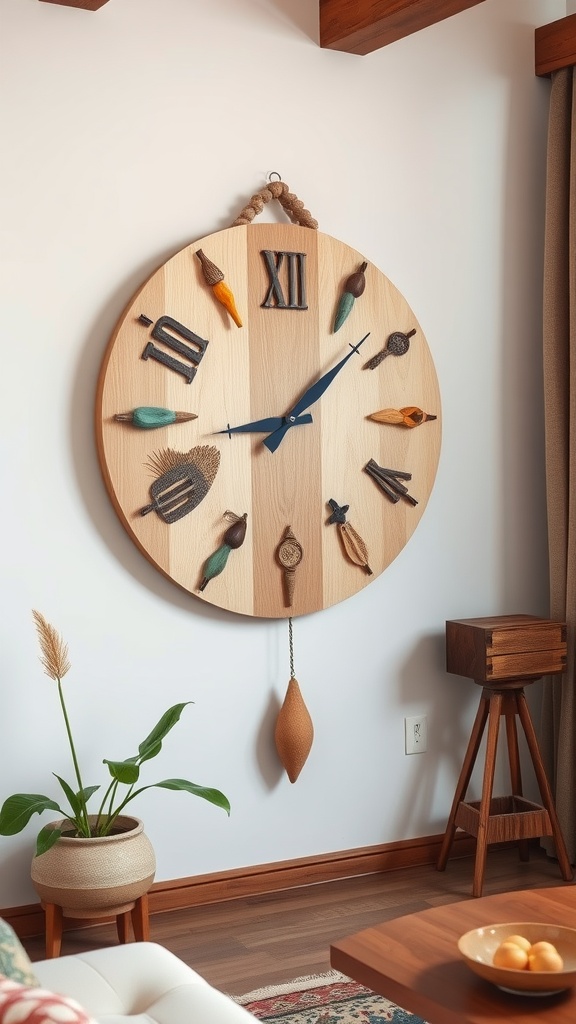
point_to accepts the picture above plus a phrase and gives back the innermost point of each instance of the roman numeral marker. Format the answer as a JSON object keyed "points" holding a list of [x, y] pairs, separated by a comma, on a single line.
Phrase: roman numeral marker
{"points": [[295, 279], [172, 339]]}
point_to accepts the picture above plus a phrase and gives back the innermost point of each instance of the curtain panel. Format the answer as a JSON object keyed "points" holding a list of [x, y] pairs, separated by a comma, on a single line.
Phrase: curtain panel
{"points": [[558, 740]]}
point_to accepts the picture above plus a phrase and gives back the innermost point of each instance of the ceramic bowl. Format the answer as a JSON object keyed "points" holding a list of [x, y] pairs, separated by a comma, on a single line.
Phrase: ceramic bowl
{"points": [[479, 945]]}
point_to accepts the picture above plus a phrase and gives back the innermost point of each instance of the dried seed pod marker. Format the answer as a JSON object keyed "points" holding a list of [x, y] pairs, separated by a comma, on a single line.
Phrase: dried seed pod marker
{"points": [[289, 555], [397, 345], [353, 546], [233, 538], [149, 417], [409, 416], [186, 478], [353, 289], [389, 481], [215, 278]]}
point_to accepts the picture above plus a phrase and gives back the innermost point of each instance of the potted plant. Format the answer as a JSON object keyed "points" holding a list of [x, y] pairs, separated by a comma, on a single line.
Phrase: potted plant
{"points": [[95, 840]]}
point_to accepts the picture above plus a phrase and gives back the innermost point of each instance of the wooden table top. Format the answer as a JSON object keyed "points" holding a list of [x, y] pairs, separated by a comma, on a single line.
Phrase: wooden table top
{"points": [[414, 960]]}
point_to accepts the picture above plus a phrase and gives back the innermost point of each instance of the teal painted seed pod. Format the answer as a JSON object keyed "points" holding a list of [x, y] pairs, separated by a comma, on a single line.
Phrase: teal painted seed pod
{"points": [[233, 538], [353, 289], [149, 417]]}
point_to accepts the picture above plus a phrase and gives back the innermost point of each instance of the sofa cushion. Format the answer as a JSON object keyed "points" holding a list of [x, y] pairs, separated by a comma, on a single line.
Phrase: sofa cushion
{"points": [[139, 983], [14, 960], [25, 1004]]}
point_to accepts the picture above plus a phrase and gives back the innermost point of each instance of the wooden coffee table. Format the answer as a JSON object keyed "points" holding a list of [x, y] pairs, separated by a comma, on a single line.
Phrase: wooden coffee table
{"points": [[414, 960]]}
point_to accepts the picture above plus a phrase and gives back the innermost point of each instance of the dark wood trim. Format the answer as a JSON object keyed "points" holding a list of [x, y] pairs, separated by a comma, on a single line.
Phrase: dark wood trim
{"points": [[361, 26], [86, 5], [555, 45], [200, 890]]}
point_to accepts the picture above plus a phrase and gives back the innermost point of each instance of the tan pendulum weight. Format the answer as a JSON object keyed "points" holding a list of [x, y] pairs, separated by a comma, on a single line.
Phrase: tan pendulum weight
{"points": [[294, 731]]}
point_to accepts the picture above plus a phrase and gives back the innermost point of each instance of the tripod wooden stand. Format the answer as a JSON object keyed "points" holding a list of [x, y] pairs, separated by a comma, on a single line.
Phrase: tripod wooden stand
{"points": [[504, 654]]}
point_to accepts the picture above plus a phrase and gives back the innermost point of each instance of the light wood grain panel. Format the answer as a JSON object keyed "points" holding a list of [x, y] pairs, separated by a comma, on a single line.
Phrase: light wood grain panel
{"points": [[284, 360]]}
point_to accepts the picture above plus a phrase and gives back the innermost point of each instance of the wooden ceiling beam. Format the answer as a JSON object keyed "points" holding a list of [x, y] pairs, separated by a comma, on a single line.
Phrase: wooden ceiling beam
{"points": [[86, 5], [361, 26], [555, 45]]}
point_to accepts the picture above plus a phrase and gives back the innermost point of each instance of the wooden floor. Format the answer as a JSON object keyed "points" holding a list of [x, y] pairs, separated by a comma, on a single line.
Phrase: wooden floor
{"points": [[266, 940]]}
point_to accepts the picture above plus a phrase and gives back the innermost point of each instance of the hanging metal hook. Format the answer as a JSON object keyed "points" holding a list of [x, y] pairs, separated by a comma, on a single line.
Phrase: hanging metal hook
{"points": [[271, 176]]}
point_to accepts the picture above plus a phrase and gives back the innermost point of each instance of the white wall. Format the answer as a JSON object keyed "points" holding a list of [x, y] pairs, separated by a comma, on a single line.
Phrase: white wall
{"points": [[128, 133]]}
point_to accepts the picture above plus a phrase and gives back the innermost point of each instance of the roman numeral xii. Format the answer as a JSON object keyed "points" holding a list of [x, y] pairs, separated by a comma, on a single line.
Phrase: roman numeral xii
{"points": [[287, 280]]}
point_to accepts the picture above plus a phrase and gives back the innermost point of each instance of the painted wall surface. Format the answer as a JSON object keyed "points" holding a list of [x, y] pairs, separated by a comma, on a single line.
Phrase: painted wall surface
{"points": [[128, 133]]}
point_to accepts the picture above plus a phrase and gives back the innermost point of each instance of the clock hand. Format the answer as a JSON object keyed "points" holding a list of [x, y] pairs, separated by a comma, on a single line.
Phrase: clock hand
{"points": [[310, 396], [261, 426]]}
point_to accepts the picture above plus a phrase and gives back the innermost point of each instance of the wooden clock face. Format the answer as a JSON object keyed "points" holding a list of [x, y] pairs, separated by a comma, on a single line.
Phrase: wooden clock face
{"points": [[177, 349]]}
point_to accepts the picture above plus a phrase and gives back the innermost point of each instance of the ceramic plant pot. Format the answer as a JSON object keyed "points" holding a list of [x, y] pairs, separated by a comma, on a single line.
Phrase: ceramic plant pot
{"points": [[97, 877]]}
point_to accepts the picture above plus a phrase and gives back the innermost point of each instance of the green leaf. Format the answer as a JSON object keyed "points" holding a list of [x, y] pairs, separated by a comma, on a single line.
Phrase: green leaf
{"points": [[18, 809], [71, 796], [78, 800], [124, 771], [152, 745], [87, 792], [46, 838], [214, 796]]}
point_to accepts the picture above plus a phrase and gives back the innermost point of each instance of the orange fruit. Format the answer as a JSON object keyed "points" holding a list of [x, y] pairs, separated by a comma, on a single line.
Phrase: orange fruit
{"points": [[542, 958], [519, 940], [510, 955], [537, 947]]}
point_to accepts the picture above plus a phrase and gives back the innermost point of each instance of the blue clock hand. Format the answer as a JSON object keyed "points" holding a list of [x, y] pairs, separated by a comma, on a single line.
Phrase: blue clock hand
{"points": [[261, 426], [310, 396]]}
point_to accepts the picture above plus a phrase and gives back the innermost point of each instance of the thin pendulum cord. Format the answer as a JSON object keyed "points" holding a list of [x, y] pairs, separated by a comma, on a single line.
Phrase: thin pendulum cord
{"points": [[294, 730]]}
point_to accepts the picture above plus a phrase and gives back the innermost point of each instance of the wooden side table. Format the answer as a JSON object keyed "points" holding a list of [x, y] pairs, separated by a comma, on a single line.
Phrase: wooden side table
{"points": [[503, 654], [136, 912]]}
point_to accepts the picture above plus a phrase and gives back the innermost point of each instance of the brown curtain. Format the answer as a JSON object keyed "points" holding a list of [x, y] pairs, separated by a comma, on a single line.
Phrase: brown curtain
{"points": [[559, 339]]}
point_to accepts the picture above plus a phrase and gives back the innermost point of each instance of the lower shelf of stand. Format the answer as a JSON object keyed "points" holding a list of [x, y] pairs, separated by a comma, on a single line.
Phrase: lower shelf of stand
{"points": [[510, 818]]}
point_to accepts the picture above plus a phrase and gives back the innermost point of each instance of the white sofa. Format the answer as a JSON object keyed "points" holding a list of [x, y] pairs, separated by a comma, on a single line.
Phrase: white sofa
{"points": [[138, 983]]}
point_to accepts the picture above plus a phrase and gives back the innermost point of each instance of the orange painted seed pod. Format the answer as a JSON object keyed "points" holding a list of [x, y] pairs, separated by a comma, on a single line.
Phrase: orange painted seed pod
{"points": [[215, 278], [409, 416]]}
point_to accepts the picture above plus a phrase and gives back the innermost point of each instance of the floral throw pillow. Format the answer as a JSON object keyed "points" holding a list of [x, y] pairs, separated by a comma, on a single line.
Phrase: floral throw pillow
{"points": [[14, 960], [20, 1004]]}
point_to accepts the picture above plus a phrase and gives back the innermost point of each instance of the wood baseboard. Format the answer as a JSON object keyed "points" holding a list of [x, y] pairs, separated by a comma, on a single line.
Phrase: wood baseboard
{"points": [[200, 890]]}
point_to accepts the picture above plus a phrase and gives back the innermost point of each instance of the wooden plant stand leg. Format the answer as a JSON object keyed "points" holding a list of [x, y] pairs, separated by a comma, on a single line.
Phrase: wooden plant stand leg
{"points": [[495, 705], [123, 927], [53, 916], [544, 786], [510, 712], [464, 779], [140, 919]]}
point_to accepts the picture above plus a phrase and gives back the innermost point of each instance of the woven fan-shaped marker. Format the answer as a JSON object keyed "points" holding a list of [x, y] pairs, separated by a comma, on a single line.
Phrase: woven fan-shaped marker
{"points": [[294, 731]]}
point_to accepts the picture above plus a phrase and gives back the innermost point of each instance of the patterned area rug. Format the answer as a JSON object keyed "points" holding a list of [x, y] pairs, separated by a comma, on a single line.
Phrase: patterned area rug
{"points": [[324, 999]]}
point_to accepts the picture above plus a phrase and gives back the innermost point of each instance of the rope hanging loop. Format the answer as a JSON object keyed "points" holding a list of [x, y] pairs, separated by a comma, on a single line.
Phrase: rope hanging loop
{"points": [[279, 190]]}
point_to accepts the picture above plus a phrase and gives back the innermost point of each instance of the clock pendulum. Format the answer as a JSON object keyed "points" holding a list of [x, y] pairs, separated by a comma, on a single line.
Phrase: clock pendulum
{"points": [[294, 731]]}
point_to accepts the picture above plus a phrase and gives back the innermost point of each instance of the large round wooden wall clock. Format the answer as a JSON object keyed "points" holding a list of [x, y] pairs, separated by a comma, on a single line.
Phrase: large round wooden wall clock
{"points": [[268, 419]]}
